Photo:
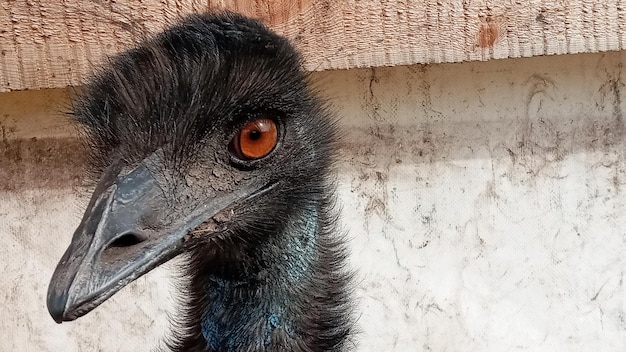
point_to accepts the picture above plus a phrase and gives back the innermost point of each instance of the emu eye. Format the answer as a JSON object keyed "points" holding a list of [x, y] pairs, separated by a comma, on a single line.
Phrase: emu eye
{"points": [[255, 140]]}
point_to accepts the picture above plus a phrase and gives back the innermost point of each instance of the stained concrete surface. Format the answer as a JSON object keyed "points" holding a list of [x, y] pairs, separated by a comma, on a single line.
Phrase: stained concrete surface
{"points": [[484, 202]]}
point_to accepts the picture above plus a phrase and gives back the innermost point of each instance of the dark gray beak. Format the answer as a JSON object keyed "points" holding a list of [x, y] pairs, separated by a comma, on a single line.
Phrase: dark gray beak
{"points": [[128, 229]]}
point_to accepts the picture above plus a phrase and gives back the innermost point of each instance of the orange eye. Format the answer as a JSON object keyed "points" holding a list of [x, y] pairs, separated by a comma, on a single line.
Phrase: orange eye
{"points": [[256, 139]]}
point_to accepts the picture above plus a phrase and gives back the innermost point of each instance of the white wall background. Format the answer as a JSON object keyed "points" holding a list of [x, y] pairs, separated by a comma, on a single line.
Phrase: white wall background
{"points": [[485, 202]]}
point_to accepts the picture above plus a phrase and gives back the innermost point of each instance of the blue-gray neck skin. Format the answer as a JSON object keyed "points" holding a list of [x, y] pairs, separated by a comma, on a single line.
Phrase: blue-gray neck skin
{"points": [[233, 318], [289, 294]]}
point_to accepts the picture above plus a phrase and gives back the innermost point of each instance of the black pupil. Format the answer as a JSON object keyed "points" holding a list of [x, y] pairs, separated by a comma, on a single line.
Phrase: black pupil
{"points": [[255, 135]]}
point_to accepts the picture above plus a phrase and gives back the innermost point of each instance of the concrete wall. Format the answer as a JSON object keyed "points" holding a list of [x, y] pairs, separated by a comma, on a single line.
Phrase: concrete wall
{"points": [[485, 203]]}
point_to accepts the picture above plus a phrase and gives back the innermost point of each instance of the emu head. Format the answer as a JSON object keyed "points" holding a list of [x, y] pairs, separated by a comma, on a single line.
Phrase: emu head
{"points": [[204, 138]]}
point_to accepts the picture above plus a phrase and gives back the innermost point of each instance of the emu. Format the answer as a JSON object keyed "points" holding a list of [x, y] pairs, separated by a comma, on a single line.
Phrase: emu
{"points": [[207, 142]]}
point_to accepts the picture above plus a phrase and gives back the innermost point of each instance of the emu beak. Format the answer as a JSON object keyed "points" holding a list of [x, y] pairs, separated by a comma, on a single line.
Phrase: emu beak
{"points": [[117, 241]]}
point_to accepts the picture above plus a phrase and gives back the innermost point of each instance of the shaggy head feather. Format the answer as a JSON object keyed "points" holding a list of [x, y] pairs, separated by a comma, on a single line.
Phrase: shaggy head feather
{"points": [[272, 278]]}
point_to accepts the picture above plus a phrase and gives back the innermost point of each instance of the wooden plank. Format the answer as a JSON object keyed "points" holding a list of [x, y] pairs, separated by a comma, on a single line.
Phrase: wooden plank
{"points": [[46, 44]]}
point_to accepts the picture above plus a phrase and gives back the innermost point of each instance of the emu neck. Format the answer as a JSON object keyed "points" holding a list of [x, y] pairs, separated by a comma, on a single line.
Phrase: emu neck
{"points": [[254, 310], [275, 300]]}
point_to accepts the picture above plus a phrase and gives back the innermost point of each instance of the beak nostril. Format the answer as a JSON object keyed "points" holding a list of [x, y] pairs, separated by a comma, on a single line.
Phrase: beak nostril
{"points": [[127, 240], [124, 245]]}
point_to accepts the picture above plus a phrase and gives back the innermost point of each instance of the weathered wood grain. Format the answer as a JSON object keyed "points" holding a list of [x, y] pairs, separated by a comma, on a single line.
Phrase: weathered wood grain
{"points": [[45, 44]]}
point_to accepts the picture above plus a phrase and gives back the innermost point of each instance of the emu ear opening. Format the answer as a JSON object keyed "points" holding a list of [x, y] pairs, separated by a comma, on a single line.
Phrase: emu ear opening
{"points": [[124, 234]]}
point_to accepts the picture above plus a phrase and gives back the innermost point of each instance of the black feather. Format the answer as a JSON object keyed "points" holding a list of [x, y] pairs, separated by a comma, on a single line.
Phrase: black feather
{"points": [[274, 279]]}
